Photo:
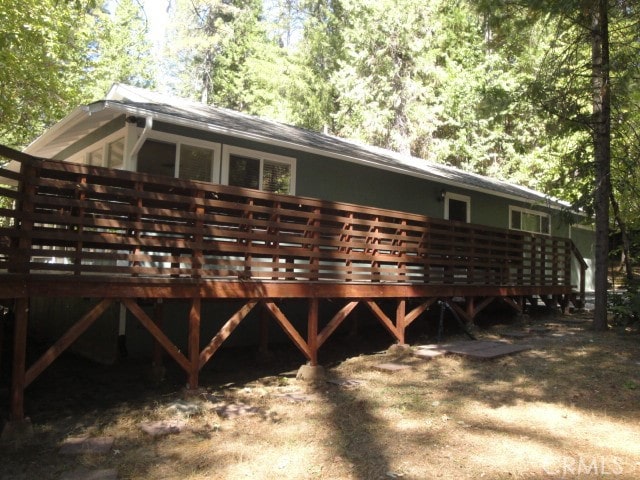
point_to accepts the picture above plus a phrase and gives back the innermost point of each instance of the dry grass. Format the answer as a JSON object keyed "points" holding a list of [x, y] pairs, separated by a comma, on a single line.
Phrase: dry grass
{"points": [[568, 408]]}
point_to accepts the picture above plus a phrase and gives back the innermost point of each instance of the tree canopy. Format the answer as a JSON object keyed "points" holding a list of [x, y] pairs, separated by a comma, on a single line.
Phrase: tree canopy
{"points": [[56, 55]]}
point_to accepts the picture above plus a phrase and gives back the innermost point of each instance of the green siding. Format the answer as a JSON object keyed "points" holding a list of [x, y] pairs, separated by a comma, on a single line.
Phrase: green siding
{"points": [[328, 178]]}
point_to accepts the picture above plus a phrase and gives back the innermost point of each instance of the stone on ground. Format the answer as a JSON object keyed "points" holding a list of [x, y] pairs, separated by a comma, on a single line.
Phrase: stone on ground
{"points": [[311, 373], [162, 428], [86, 445]]}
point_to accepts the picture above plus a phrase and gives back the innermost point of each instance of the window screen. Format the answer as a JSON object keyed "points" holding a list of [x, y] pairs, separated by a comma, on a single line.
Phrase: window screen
{"points": [[515, 220], [196, 163], [276, 177]]}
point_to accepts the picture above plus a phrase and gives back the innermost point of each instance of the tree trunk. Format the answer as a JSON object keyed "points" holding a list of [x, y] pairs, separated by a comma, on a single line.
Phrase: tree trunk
{"points": [[602, 151]]}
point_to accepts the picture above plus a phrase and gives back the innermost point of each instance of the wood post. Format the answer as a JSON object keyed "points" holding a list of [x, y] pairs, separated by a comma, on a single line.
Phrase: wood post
{"points": [[471, 307], [312, 331], [19, 359], [194, 343], [224, 332], [401, 310]]}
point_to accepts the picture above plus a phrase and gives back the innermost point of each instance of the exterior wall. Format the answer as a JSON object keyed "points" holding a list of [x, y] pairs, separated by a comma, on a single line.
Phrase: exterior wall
{"points": [[332, 179]]}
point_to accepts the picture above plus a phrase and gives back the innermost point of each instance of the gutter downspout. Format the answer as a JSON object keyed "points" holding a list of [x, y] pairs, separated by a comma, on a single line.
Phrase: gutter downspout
{"points": [[132, 151], [148, 125]]}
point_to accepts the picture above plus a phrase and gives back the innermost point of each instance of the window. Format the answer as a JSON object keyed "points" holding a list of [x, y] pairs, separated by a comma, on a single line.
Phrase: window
{"points": [[244, 172], [94, 158], [529, 220], [157, 158], [115, 154], [457, 207], [193, 162], [262, 171]]}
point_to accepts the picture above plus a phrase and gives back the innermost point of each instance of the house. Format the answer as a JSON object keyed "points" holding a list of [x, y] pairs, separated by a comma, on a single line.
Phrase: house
{"points": [[141, 199], [139, 130]]}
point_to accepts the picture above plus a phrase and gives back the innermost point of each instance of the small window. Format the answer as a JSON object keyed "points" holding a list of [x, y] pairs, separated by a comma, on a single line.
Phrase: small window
{"points": [[457, 207], [115, 154], [252, 169], [529, 221]]}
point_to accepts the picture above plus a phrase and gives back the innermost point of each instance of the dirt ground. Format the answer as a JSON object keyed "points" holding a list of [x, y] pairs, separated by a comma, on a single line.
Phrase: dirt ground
{"points": [[567, 408]]}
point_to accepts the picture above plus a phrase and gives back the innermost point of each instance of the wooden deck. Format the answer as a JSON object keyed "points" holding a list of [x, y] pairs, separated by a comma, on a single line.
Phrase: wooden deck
{"points": [[78, 231]]}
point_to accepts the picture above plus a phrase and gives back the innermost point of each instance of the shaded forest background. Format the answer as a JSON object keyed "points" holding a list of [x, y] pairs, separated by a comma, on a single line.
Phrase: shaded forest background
{"points": [[503, 88]]}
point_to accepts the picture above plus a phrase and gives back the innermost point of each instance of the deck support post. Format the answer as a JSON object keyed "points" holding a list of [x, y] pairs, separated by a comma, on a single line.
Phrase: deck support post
{"points": [[194, 343], [18, 376], [401, 311], [312, 331], [157, 364], [471, 307]]}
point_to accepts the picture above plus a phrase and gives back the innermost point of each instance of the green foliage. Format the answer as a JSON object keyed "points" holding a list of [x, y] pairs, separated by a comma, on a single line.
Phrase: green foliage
{"points": [[625, 306], [56, 55], [39, 43], [227, 57], [121, 50]]}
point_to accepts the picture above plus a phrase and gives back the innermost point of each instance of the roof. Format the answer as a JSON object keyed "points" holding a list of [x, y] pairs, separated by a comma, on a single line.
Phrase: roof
{"points": [[124, 99]]}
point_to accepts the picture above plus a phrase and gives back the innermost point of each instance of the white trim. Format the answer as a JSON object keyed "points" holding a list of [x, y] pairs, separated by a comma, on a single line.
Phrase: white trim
{"points": [[461, 198], [228, 150], [540, 214]]}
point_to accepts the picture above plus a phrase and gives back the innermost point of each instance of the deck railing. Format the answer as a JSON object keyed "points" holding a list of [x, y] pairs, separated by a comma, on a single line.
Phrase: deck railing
{"points": [[65, 218]]}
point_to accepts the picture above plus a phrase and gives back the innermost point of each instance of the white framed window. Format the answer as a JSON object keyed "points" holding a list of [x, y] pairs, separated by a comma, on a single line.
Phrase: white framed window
{"points": [[161, 153], [529, 220], [242, 167], [457, 207], [180, 157], [99, 154]]}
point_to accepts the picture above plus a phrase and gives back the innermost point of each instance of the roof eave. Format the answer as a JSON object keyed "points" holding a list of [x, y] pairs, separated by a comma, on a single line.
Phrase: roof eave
{"points": [[221, 130]]}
